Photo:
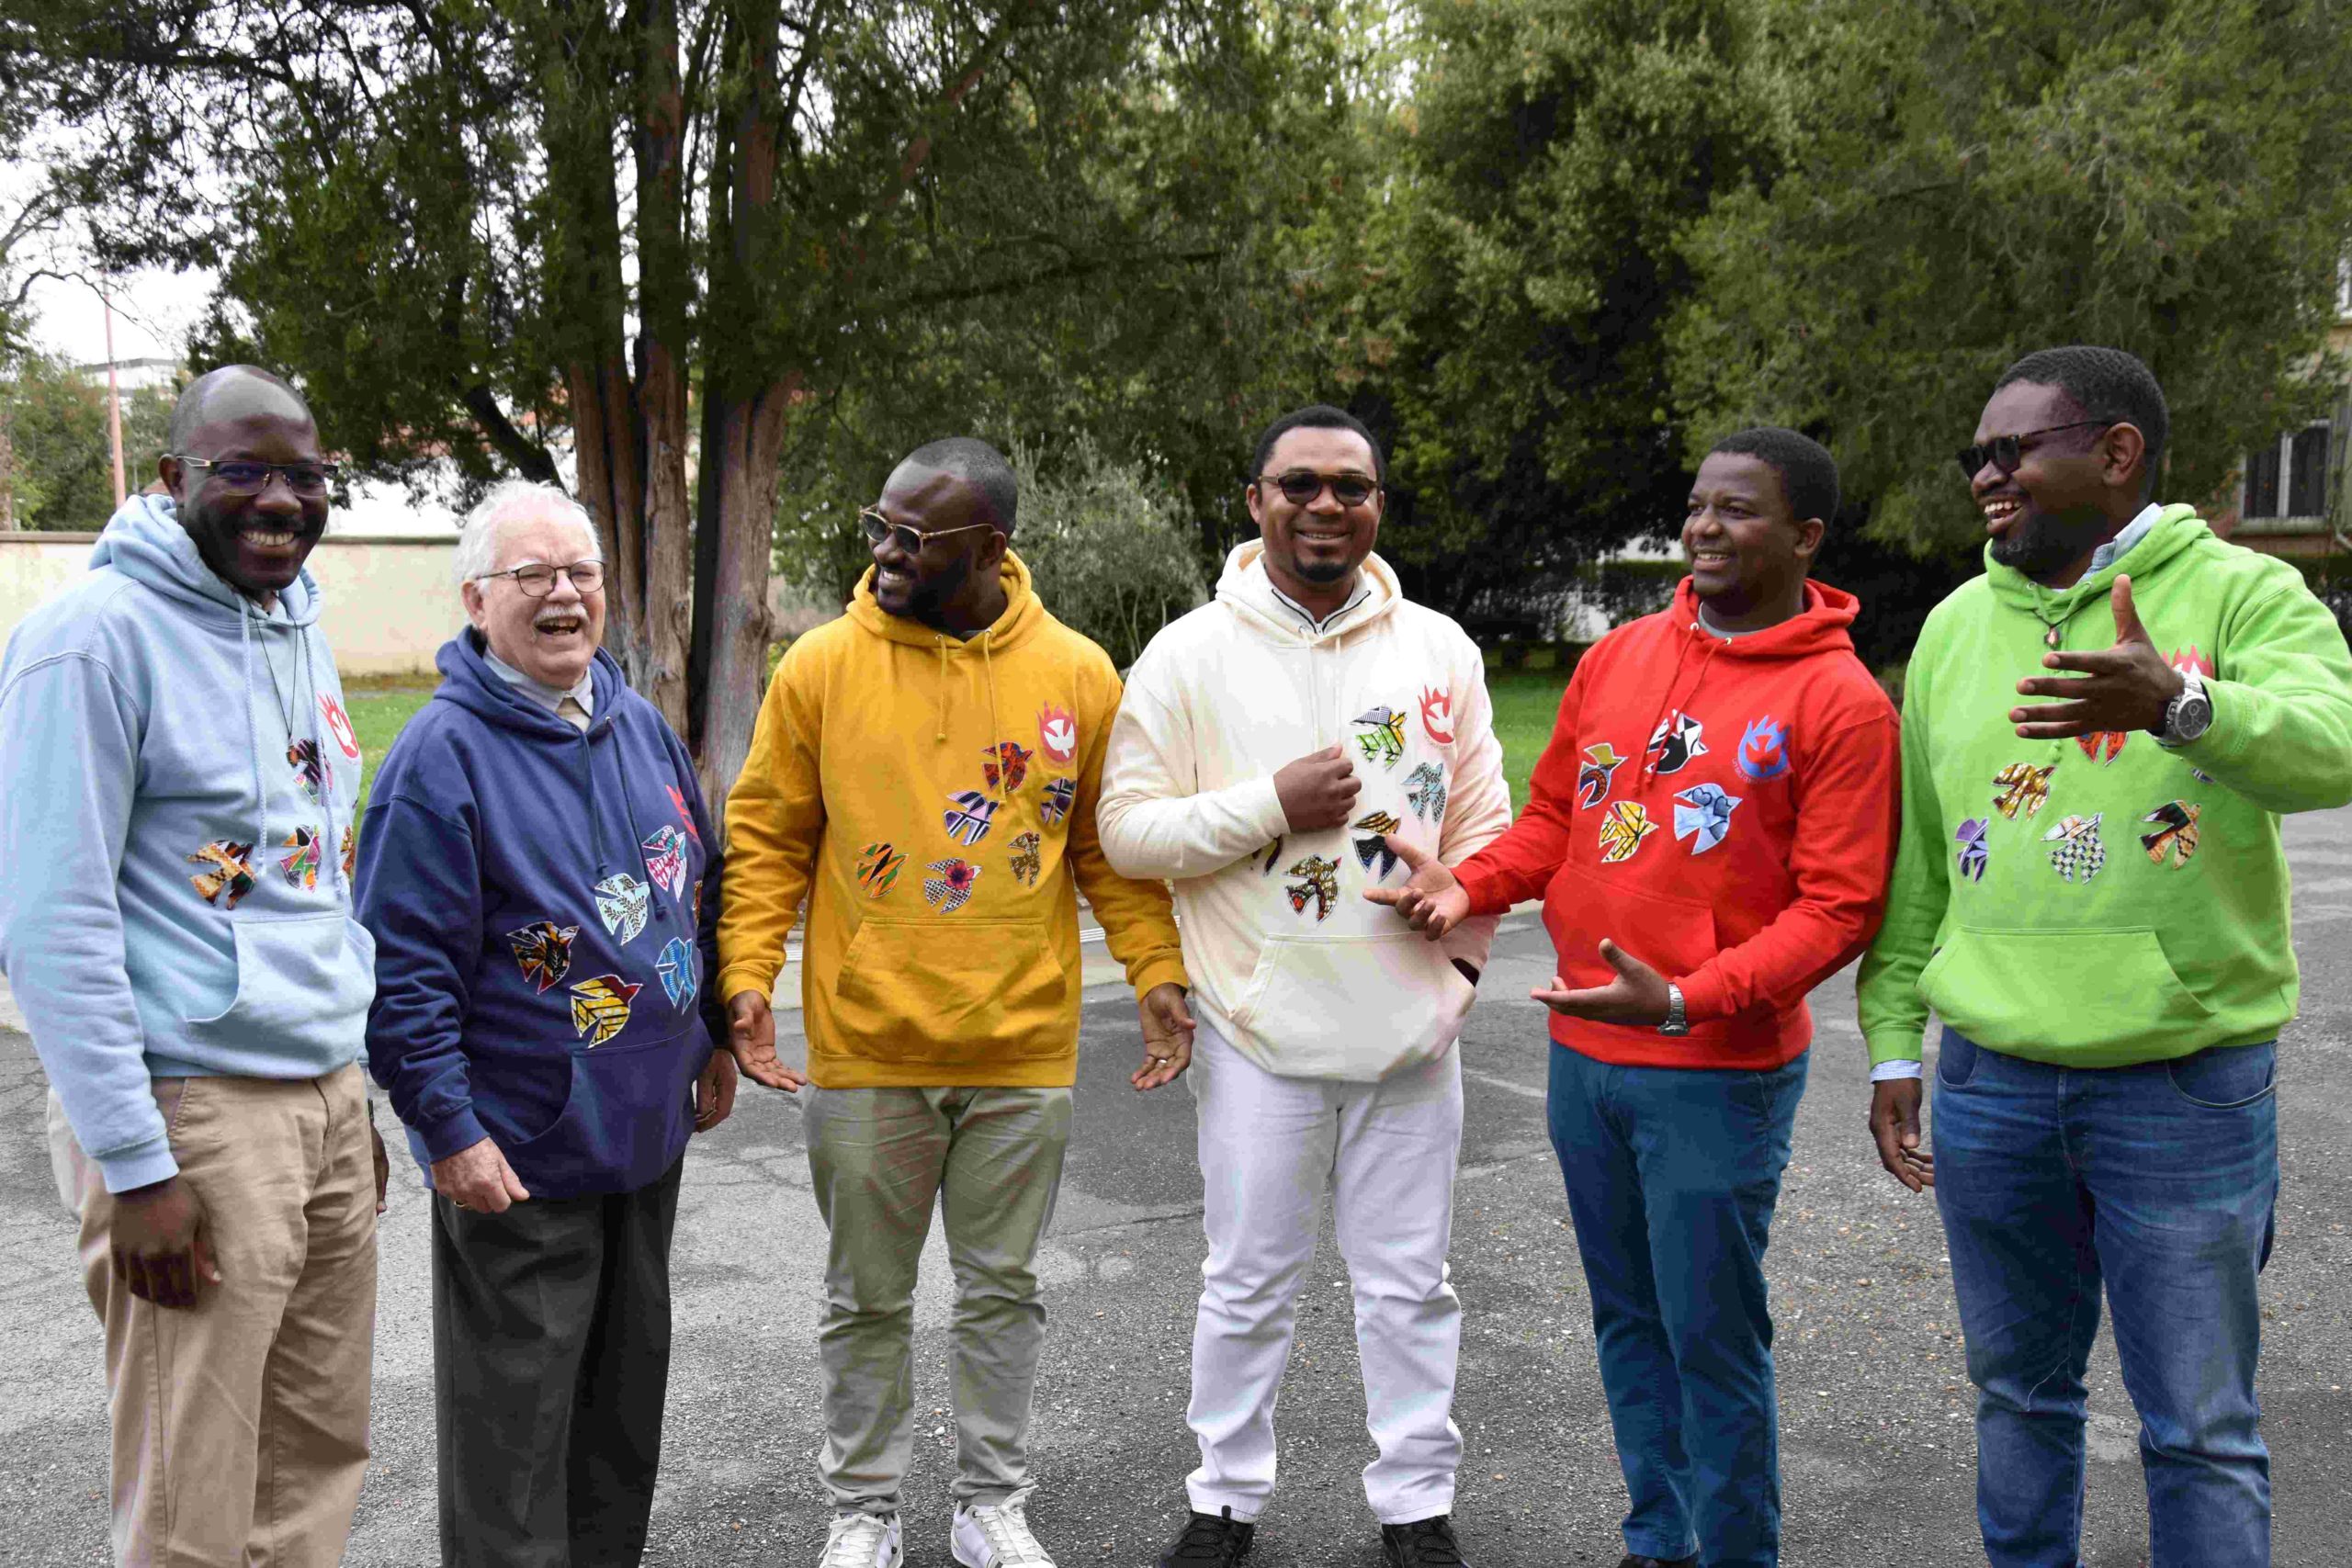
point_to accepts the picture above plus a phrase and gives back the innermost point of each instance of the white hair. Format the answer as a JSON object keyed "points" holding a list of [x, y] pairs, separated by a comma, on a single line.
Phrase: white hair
{"points": [[512, 501]]}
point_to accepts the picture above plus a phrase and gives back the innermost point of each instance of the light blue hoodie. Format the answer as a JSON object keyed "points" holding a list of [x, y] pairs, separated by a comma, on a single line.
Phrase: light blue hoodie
{"points": [[177, 899]]}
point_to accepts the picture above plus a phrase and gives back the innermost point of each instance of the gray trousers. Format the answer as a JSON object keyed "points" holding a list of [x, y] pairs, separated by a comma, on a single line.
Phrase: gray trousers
{"points": [[550, 1364], [991, 1160]]}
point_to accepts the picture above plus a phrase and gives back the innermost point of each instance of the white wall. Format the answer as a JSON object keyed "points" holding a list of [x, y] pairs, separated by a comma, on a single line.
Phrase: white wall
{"points": [[390, 602]]}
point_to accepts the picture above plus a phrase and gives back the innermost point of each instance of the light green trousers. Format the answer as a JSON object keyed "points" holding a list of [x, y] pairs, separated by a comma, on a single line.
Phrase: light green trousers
{"points": [[991, 1160]]}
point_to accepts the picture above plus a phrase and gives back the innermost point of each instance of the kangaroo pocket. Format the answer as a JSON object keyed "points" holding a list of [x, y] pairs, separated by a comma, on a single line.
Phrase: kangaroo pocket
{"points": [[2048, 993], [625, 1119], [1673, 936], [1352, 1007], [954, 993], [303, 982]]}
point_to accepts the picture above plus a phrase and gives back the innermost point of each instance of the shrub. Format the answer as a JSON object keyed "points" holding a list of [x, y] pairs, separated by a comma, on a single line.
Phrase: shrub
{"points": [[1107, 549]]}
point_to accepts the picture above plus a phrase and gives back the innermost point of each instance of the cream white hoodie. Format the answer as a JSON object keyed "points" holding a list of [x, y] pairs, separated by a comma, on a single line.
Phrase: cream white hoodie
{"points": [[1287, 959]]}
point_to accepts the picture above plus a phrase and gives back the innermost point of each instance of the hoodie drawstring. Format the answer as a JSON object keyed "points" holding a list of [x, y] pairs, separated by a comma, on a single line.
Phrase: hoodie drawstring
{"points": [[252, 728], [987, 666], [940, 644], [1669, 702]]}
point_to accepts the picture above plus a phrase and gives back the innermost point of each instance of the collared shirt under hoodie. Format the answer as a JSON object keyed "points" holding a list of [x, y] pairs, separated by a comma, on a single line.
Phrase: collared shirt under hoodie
{"points": [[543, 902], [177, 825], [1723, 809]]}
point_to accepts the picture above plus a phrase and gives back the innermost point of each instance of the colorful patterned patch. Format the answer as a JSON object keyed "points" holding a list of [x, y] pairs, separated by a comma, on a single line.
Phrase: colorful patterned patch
{"points": [[685, 814], [339, 725], [1057, 734], [1026, 864], [1008, 764], [1318, 882], [1376, 847], [1763, 748], [1060, 795], [680, 970], [2188, 660], [1973, 850], [350, 851], [622, 902], [2176, 833], [1383, 740], [231, 878], [310, 767], [1437, 716], [1425, 793], [543, 949], [1600, 762], [1622, 829], [1702, 814], [665, 860], [1674, 743], [949, 891], [1273, 853], [2021, 786], [600, 1007], [878, 868], [301, 866], [2079, 854], [968, 815], [2102, 746]]}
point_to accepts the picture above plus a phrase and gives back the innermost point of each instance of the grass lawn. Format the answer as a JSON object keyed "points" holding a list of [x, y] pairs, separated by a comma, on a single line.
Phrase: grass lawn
{"points": [[1526, 702], [378, 716]]}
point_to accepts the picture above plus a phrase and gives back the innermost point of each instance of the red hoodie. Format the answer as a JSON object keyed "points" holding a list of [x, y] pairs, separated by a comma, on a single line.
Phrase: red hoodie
{"points": [[1725, 811]]}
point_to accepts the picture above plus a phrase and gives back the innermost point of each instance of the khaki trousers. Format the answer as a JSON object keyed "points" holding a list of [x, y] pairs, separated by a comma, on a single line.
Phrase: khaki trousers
{"points": [[241, 1423], [991, 1160]]}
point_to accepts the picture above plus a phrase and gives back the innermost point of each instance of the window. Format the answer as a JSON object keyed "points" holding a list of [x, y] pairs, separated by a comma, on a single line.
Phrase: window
{"points": [[2289, 477]]}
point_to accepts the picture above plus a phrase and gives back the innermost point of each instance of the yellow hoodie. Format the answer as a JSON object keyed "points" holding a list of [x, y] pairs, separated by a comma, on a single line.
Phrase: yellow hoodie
{"points": [[934, 801]]}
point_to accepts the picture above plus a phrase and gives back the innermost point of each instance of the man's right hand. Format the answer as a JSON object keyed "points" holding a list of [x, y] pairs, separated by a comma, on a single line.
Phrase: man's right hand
{"points": [[479, 1177], [1317, 791], [1432, 902], [158, 1240], [750, 1035], [1894, 1124]]}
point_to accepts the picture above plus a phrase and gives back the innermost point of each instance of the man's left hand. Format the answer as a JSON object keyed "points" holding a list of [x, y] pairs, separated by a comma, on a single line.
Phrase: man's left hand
{"points": [[2123, 688], [1167, 1035], [1637, 996], [715, 1090], [383, 1164]]}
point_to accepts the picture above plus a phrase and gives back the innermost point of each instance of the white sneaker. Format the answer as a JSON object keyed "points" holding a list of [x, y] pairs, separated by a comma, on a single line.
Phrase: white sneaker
{"points": [[997, 1535], [862, 1540]]}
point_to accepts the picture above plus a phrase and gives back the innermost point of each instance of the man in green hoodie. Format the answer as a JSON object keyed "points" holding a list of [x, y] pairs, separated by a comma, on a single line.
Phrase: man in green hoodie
{"points": [[2104, 1108]]}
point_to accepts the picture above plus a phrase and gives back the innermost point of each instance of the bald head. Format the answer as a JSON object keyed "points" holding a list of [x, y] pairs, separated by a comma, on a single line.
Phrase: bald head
{"points": [[230, 393]]}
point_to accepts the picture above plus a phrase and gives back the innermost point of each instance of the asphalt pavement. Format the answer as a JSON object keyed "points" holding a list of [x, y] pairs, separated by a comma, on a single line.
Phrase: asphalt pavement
{"points": [[1877, 1450]]}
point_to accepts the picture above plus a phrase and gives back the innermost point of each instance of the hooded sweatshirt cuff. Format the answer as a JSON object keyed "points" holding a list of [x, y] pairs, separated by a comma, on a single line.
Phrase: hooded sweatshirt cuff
{"points": [[458, 1131], [736, 978], [141, 1165], [1168, 971], [1901, 1043], [1702, 993], [1486, 892]]}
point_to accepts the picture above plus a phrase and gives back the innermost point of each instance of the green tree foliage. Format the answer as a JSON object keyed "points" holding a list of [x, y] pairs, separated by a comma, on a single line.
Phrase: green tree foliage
{"points": [[58, 463], [1955, 184], [1111, 553]]}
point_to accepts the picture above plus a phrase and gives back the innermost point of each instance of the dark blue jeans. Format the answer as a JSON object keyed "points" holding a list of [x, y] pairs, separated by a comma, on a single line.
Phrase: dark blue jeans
{"points": [[1672, 1174], [2159, 1181]]}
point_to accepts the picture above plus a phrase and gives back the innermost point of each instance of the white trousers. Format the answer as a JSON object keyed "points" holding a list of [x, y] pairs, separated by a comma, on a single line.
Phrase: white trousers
{"points": [[1270, 1146]]}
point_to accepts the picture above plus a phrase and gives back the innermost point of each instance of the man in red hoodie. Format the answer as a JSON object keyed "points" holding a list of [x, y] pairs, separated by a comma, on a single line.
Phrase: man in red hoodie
{"points": [[1712, 828]]}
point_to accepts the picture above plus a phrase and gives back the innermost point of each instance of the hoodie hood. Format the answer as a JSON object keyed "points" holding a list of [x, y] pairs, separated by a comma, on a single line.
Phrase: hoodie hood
{"points": [[2177, 528], [144, 541], [1022, 614], [468, 681], [1245, 587], [1819, 627]]}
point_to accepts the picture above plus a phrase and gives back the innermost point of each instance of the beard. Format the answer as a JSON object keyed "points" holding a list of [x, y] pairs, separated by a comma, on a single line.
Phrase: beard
{"points": [[2044, 545], [1322, 571]]}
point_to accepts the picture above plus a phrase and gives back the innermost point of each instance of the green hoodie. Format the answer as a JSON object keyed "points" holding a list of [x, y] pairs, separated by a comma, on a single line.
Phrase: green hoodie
{"points": [[2130, 903]]}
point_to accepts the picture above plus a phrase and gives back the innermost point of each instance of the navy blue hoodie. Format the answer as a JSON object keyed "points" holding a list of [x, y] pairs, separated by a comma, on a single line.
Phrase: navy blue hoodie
{"points": [[544, 904]]}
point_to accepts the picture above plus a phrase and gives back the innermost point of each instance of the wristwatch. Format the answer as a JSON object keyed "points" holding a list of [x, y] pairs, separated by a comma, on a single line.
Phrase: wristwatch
{"points": [[1675, 1022], [2189, 714]]}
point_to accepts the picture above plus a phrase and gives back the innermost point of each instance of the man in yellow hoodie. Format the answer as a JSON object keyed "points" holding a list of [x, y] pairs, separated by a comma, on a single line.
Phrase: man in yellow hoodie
{"points": [[924, 773]]}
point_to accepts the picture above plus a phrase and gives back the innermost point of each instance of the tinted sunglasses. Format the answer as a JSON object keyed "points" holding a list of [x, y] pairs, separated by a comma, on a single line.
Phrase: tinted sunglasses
{"points": [[1301, 486], [2006, 452], [906, 536]]}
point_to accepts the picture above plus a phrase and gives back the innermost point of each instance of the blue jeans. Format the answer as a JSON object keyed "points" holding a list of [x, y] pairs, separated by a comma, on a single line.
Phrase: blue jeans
{"points": [[2159, 1180], [1672, 1174]]}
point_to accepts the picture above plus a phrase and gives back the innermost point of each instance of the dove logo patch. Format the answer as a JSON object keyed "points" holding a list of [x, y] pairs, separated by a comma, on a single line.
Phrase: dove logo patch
{"points": [[1057, 734]]}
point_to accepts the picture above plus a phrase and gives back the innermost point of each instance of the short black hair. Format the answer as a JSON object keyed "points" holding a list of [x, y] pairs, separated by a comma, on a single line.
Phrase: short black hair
{"points": [[195, 404], [1808, 473], [1317, 416], [982, 467], [2106, 384]]}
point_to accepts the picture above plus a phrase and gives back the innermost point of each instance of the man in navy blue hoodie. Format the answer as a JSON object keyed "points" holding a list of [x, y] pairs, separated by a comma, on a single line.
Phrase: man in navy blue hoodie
{"points": [[178, 779], [541, 880]]}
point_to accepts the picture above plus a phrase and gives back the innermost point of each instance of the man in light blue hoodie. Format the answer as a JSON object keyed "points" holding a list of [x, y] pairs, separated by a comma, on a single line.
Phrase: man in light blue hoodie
{"points": [[176, 812]]}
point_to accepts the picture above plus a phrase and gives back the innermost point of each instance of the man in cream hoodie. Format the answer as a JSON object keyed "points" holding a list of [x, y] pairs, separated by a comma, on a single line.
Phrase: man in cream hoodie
{"points": [[1268, 747]]}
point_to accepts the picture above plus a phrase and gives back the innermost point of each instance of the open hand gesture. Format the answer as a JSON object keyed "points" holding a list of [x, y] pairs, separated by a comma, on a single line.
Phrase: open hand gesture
{"points": [[1167, 1036], [2123, 688], [1637, 996], [1432, 902], [751, 1038]]}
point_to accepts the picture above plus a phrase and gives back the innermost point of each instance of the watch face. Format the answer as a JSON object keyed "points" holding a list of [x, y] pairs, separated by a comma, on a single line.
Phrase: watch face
{"points": [[2196, 716]]}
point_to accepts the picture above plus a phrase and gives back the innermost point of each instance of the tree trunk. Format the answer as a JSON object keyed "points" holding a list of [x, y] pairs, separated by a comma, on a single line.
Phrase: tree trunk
{"points": [[664, 286]]}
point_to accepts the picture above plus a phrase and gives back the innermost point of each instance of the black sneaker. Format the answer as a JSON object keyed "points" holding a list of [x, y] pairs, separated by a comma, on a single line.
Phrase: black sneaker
{"points": [[1209, 1540], [1424, 1544]]}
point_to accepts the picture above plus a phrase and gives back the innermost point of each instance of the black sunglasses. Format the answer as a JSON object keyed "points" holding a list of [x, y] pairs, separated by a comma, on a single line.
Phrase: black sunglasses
{"points": [[2006, 452], [1301, 486]]}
